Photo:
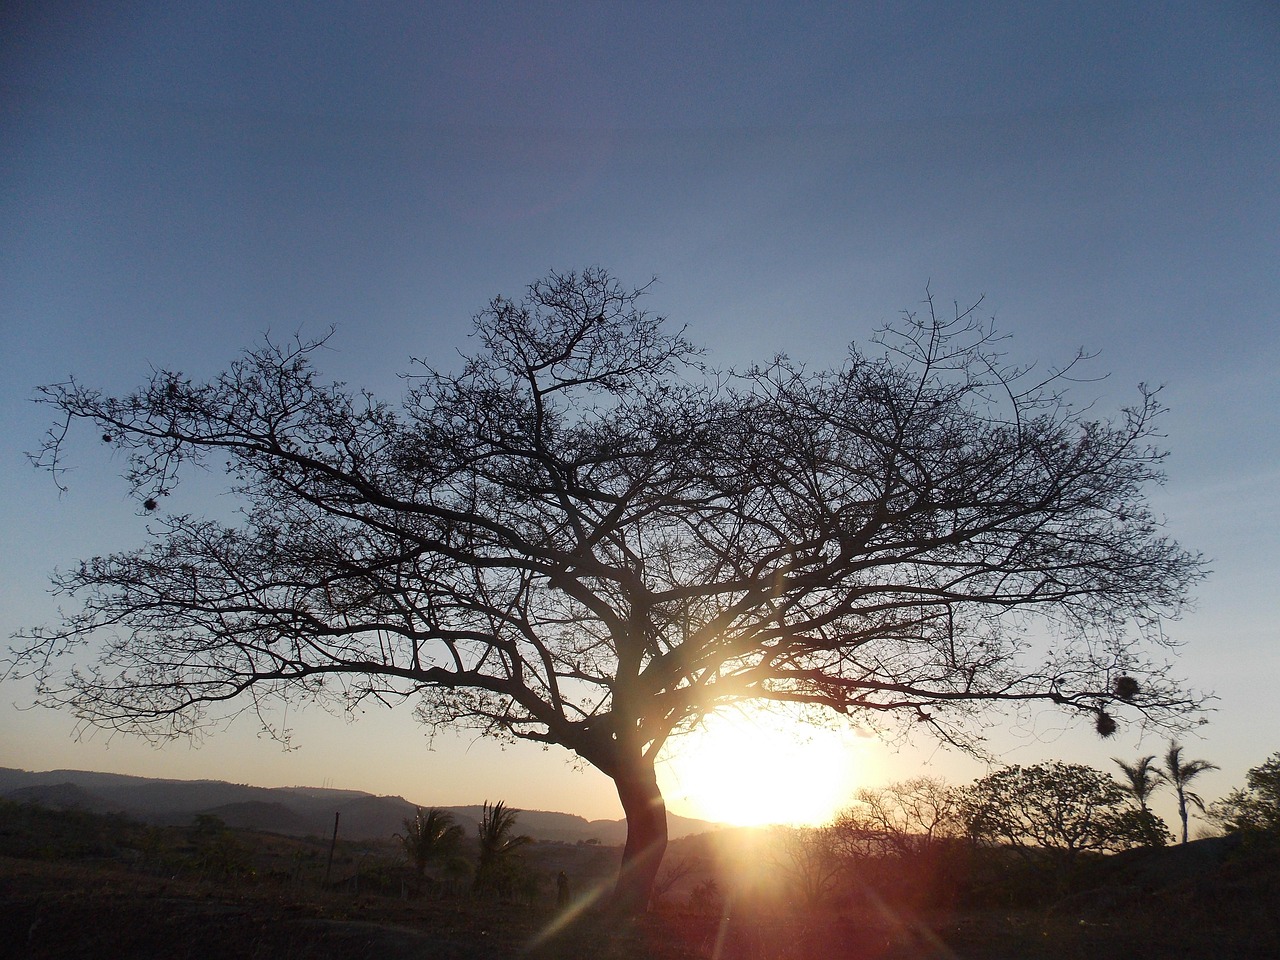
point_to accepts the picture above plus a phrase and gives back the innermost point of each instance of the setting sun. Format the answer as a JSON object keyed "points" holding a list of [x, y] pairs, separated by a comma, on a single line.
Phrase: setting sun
{"points": [[754, 767]]}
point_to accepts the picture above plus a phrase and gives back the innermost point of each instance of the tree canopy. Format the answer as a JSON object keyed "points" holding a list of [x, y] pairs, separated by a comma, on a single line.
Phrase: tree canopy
{"points": [[1254, 810], [585, 536], [1065, 807]]}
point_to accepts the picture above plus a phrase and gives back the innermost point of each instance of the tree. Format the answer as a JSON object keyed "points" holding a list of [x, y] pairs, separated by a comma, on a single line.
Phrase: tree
{"points": [[585, 537], [907, 819], [1067, 808], [429, 835], [908, 840], [1178, 773], [499, 846], [1255, 809], [672, 874], [807, 859], [1140, 781]]}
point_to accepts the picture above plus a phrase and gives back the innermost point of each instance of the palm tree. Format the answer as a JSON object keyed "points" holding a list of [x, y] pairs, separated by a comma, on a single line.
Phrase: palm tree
{"points": [[1143, 777], [429, 835], [498, 846], [1178, 773]]}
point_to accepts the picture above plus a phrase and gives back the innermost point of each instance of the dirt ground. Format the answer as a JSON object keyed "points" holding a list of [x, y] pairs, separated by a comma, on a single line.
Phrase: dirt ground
{"points": [[92, 911]]}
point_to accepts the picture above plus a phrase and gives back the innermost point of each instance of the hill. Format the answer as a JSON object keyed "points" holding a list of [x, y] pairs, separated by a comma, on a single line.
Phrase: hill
{"points": [[292, 811]]}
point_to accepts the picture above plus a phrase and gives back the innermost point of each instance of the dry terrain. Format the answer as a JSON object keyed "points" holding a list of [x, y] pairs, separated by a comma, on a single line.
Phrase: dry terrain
{"points": [[84, 886]]}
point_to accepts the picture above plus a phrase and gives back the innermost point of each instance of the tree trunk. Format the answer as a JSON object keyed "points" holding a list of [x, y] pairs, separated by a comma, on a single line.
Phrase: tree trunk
{"points": [[646, 814]]}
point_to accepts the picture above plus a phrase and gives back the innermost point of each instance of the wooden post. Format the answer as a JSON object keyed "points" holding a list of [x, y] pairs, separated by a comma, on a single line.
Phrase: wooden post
{"points": [[332, 845]]}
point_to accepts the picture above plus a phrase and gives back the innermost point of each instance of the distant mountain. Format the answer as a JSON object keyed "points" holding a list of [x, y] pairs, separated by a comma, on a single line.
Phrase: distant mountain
{"points": [[63, 796], [294, 811], [267, 817]]}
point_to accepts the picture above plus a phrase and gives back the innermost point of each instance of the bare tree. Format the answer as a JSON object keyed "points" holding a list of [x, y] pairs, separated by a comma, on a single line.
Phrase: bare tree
{"points": [[907, 842], [672, 874], [808, 859], [906, 819], [584, 537]]}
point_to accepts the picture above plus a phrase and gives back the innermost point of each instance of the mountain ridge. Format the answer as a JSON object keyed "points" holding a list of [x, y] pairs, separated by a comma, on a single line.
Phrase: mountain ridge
{"points": [[292, 811]]}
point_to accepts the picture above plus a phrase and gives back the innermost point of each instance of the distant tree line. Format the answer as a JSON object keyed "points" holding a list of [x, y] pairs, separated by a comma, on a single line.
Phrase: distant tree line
{"points": [[1017, 835], [1014, 836]]}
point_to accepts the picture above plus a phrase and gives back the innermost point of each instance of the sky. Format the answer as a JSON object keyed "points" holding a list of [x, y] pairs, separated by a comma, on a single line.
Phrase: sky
{"points": [[179, 179]]}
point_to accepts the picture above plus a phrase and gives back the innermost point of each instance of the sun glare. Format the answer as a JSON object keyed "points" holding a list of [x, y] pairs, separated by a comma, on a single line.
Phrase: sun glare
{"points": [[756, 767]]}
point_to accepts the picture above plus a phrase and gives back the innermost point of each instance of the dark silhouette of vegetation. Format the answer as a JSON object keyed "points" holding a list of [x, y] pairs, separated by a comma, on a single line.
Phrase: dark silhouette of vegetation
{"points": [[1140, 781], [1254, 810], [216, 850], [38, 832], [140, 891], [907, 818], [1179, 773], [585, 537], [429, 835], [498, 866], [808, 861], [909, 839], [1061, 809], [673, 872]]}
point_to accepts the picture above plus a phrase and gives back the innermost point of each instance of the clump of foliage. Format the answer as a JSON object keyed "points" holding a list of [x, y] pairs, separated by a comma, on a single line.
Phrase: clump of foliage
{"points": [[34, 831], [429, 835], [499, 869], [215, 850], [1062, 810], [1255, 809]]}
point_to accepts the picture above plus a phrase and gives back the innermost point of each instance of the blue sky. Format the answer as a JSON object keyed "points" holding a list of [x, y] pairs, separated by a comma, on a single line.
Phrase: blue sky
{"points": [[176, 180]]}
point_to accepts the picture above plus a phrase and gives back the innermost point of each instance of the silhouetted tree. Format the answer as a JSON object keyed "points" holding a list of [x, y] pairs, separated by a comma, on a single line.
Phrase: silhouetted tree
{"points": [[1256, 808], [584, 537], [1064, 807], [908, 817], [706, 899], [908, 839], [1140, 781], [672, 874], [807, 859], [429, 835], [497, 865], [215, 849], [1178, 773]]}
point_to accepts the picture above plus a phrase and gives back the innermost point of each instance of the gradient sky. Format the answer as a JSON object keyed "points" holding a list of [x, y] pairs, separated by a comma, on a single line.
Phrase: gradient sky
{"points": [[178, 178]]}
